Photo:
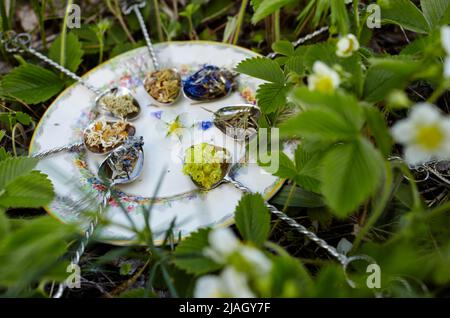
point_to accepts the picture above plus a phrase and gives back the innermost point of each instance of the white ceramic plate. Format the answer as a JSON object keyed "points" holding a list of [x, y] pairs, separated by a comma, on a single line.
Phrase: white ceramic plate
{"points": [[74, 175]]}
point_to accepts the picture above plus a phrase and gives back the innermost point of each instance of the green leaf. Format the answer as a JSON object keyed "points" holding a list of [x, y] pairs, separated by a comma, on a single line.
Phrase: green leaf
{"points": [[344, 105], [379, 130], [304, 171], [263, 68], [289, 278], [386, 75], [405, 14], [267, 7], [272, 96], [12, 168], [286, 169], [299, 198], [434, 11], [295, 64], [31, 83], [253, 219], [189, 254], [319, 124], [32, 190], [4, 154], [23, 118], [74, 52], [4, 224], [283, 47], [351, 172], [308, 169], [33, 251], [325, 52], [339, 16]]}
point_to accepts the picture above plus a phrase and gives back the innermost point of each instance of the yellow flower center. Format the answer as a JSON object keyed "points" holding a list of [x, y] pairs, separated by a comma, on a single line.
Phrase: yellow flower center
{"points": [[324, 84], [173, 127], [429, 137]]}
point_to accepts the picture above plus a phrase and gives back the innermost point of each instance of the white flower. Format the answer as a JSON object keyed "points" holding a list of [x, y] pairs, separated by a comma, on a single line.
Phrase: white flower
{"points": [[173, 125], [425, 135], [230, 284], [222, 243], [445, 38], [447, 67], [347, 45], [348, 1], [257, 259], [324, 79]]}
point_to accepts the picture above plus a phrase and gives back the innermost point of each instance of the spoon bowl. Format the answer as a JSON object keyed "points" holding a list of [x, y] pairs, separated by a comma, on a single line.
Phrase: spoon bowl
{"points": [[124, 164], [197, 168], [238, 121], [163, 86], [99, 137], [208, 84], [118, 102]]}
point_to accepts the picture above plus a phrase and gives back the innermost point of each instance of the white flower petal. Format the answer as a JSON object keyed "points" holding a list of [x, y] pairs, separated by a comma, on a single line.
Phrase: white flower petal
{"points": [[208, 286], [257, 259], [347, 45], [403, 131], [445, 38], [335, 79], [223, 241], [235, 284], [424, 113], [312, 81], [414, 155], [320, 72], [447, 67], [443, 153], [320, 68]]}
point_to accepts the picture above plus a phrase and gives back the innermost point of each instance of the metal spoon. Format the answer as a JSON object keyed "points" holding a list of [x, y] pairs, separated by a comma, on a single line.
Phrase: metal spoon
{"points": [[211, 82], [123, 165], [129, 129], [157, 82], [237, 121], [228, 171], [18, 43]]}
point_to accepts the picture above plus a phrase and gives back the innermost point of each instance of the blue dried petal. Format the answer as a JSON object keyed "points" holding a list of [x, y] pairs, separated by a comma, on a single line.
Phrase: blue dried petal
{"points": [[208, 83], [206, 124]]}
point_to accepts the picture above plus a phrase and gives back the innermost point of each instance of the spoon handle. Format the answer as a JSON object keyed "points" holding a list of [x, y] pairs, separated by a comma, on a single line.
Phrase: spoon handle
{"points": [[302, 40], [300, 228], [126, 9], [70, 148], [85, 240], [18, 43], [63, 70]]}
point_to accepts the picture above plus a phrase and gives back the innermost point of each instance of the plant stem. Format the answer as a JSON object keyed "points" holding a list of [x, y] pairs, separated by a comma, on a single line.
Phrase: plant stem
{"points": [[158, 21], [118, 14], [289, 198], [445, 208], [239, 21], [437, 93], [62, 53], [42, 27], [379, 208], [276, 25], [356, 14]]}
